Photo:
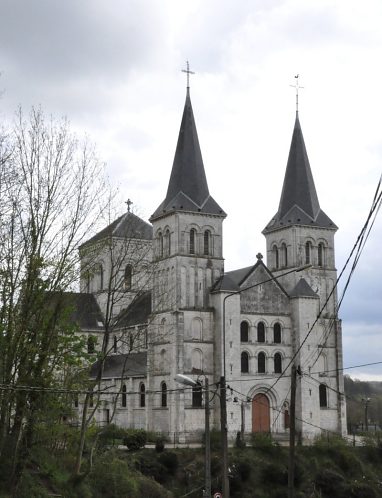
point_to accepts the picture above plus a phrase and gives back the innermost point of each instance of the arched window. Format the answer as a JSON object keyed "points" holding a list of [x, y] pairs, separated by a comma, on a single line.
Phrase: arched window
{"points": [[100, 274], [260, 332], [320, 254], [124, 396], [323, 396], [244, 362], [91, 400], [276, 256], [127, 277], [115, 344], [277, 363], [197, 360], [192, 240], [142, 395], [197, 395], [91, 344], [163, 394], [196, 329], [244, 331], [76, 401], [160, 244], [206, 244], [277, 333], [308, 251], [168, 242], [284, 251], [261, 363], [162, 360]]}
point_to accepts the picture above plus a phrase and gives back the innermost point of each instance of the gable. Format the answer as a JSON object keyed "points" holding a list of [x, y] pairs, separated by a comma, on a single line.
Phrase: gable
{"points": [[268, 297]]}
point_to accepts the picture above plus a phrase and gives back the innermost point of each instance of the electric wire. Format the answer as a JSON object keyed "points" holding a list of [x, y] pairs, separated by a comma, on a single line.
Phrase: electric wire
{"points": [[375, 204]]}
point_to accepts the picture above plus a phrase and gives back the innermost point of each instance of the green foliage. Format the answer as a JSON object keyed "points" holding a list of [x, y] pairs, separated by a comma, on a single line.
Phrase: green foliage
{"points": [[148, 488], [262, 441], [159, 445], [151, 467], [361, 490], [330, 483], [170, 460], [135, 439], [112, 477], [215, 440]]}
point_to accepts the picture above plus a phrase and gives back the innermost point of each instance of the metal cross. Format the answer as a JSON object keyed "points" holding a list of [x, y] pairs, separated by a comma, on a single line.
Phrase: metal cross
{"points": [[128, 203], [297, 87], [188, 74]]}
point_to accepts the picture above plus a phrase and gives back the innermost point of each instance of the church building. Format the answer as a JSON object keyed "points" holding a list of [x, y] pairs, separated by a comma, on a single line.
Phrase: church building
{"points": [[160, 303]]}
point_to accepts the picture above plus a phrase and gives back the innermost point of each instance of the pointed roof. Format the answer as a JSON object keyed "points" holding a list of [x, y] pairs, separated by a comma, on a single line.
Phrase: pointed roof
{"points": [[128, 225], [299, 202], [187, 188], [303, 289]]}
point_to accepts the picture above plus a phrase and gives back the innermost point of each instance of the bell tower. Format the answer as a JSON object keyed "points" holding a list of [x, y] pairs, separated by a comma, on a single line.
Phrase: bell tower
{"points": [[300, 234], [187, 260]]}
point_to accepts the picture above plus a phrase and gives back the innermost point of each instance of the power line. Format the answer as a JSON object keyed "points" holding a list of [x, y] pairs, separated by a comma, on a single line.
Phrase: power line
{"points": [[297, 418], [360, 245], [375, 205]]}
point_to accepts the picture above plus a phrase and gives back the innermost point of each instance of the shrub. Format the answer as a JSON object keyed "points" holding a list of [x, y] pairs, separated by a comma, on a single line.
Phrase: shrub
{"points": [[275, 473], [134, 439], [239, 443], [244, 470], [170, 461], [215, 440], [113, 477], [149, 465], [361, 490], [262, 441], [159, 445], [330, 482], [151, 489]]}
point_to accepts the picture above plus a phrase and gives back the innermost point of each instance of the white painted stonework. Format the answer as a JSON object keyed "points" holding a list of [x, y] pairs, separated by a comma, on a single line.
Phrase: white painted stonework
{"points": [[184, 331]]}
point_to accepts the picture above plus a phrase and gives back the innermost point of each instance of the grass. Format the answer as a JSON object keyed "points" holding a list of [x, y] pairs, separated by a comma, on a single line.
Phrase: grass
{"points": [[323, 470]]}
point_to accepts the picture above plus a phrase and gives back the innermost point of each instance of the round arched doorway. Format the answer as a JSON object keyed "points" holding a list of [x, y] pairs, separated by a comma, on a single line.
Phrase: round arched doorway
{"points": [[260, 413]]}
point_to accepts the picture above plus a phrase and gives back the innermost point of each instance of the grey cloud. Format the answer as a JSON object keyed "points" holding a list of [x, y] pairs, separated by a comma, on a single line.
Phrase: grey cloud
{"points": [[69, 54], [71, 38]]}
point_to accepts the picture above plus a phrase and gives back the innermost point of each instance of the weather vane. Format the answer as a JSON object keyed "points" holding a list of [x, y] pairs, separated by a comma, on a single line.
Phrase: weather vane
{"points": [[297, 87], [128, 203], [188, 74]]}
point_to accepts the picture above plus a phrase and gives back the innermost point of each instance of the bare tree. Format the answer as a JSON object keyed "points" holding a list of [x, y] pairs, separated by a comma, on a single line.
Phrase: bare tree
{"points": [[117, 265], [51, 192]]}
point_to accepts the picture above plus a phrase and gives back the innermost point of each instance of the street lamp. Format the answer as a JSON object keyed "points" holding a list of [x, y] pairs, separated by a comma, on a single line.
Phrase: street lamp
{"points": [[223, 399], [187, 381]]}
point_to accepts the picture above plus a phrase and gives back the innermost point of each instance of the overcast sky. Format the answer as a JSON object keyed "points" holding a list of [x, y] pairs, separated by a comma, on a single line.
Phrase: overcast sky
{"points": [[114, 69]]}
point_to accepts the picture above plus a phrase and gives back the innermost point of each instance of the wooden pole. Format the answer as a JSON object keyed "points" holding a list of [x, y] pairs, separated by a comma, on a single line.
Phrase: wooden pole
{"points": [[208, 444], [224, 435], [292, 433]]}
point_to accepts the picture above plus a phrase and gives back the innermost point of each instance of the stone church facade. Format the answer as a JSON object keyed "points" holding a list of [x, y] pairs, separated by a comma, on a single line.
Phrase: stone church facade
{"points": [[159, 292]]}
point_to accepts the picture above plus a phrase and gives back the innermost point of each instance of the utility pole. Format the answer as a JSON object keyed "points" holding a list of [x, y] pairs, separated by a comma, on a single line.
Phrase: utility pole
{"points": [[242, 406], [292, 433], [224, 435], [366, 401], [207, 442]]}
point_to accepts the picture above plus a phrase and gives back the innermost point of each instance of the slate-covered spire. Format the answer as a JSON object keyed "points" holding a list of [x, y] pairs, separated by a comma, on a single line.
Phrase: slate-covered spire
{"points": [[299, 202], [187, 189]]}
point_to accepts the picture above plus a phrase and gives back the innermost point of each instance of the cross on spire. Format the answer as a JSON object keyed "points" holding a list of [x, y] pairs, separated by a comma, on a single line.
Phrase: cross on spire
{"points": [[128, 204], [297, 87], [188, 72]]}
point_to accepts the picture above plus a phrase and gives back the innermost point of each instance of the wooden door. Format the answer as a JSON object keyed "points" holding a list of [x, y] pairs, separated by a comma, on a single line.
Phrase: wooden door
{"points": [[260, 413]]}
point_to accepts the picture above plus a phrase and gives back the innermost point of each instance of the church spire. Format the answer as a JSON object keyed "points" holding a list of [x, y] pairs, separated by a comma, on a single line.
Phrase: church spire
{"points": [[187, 189], [299, 202]]}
